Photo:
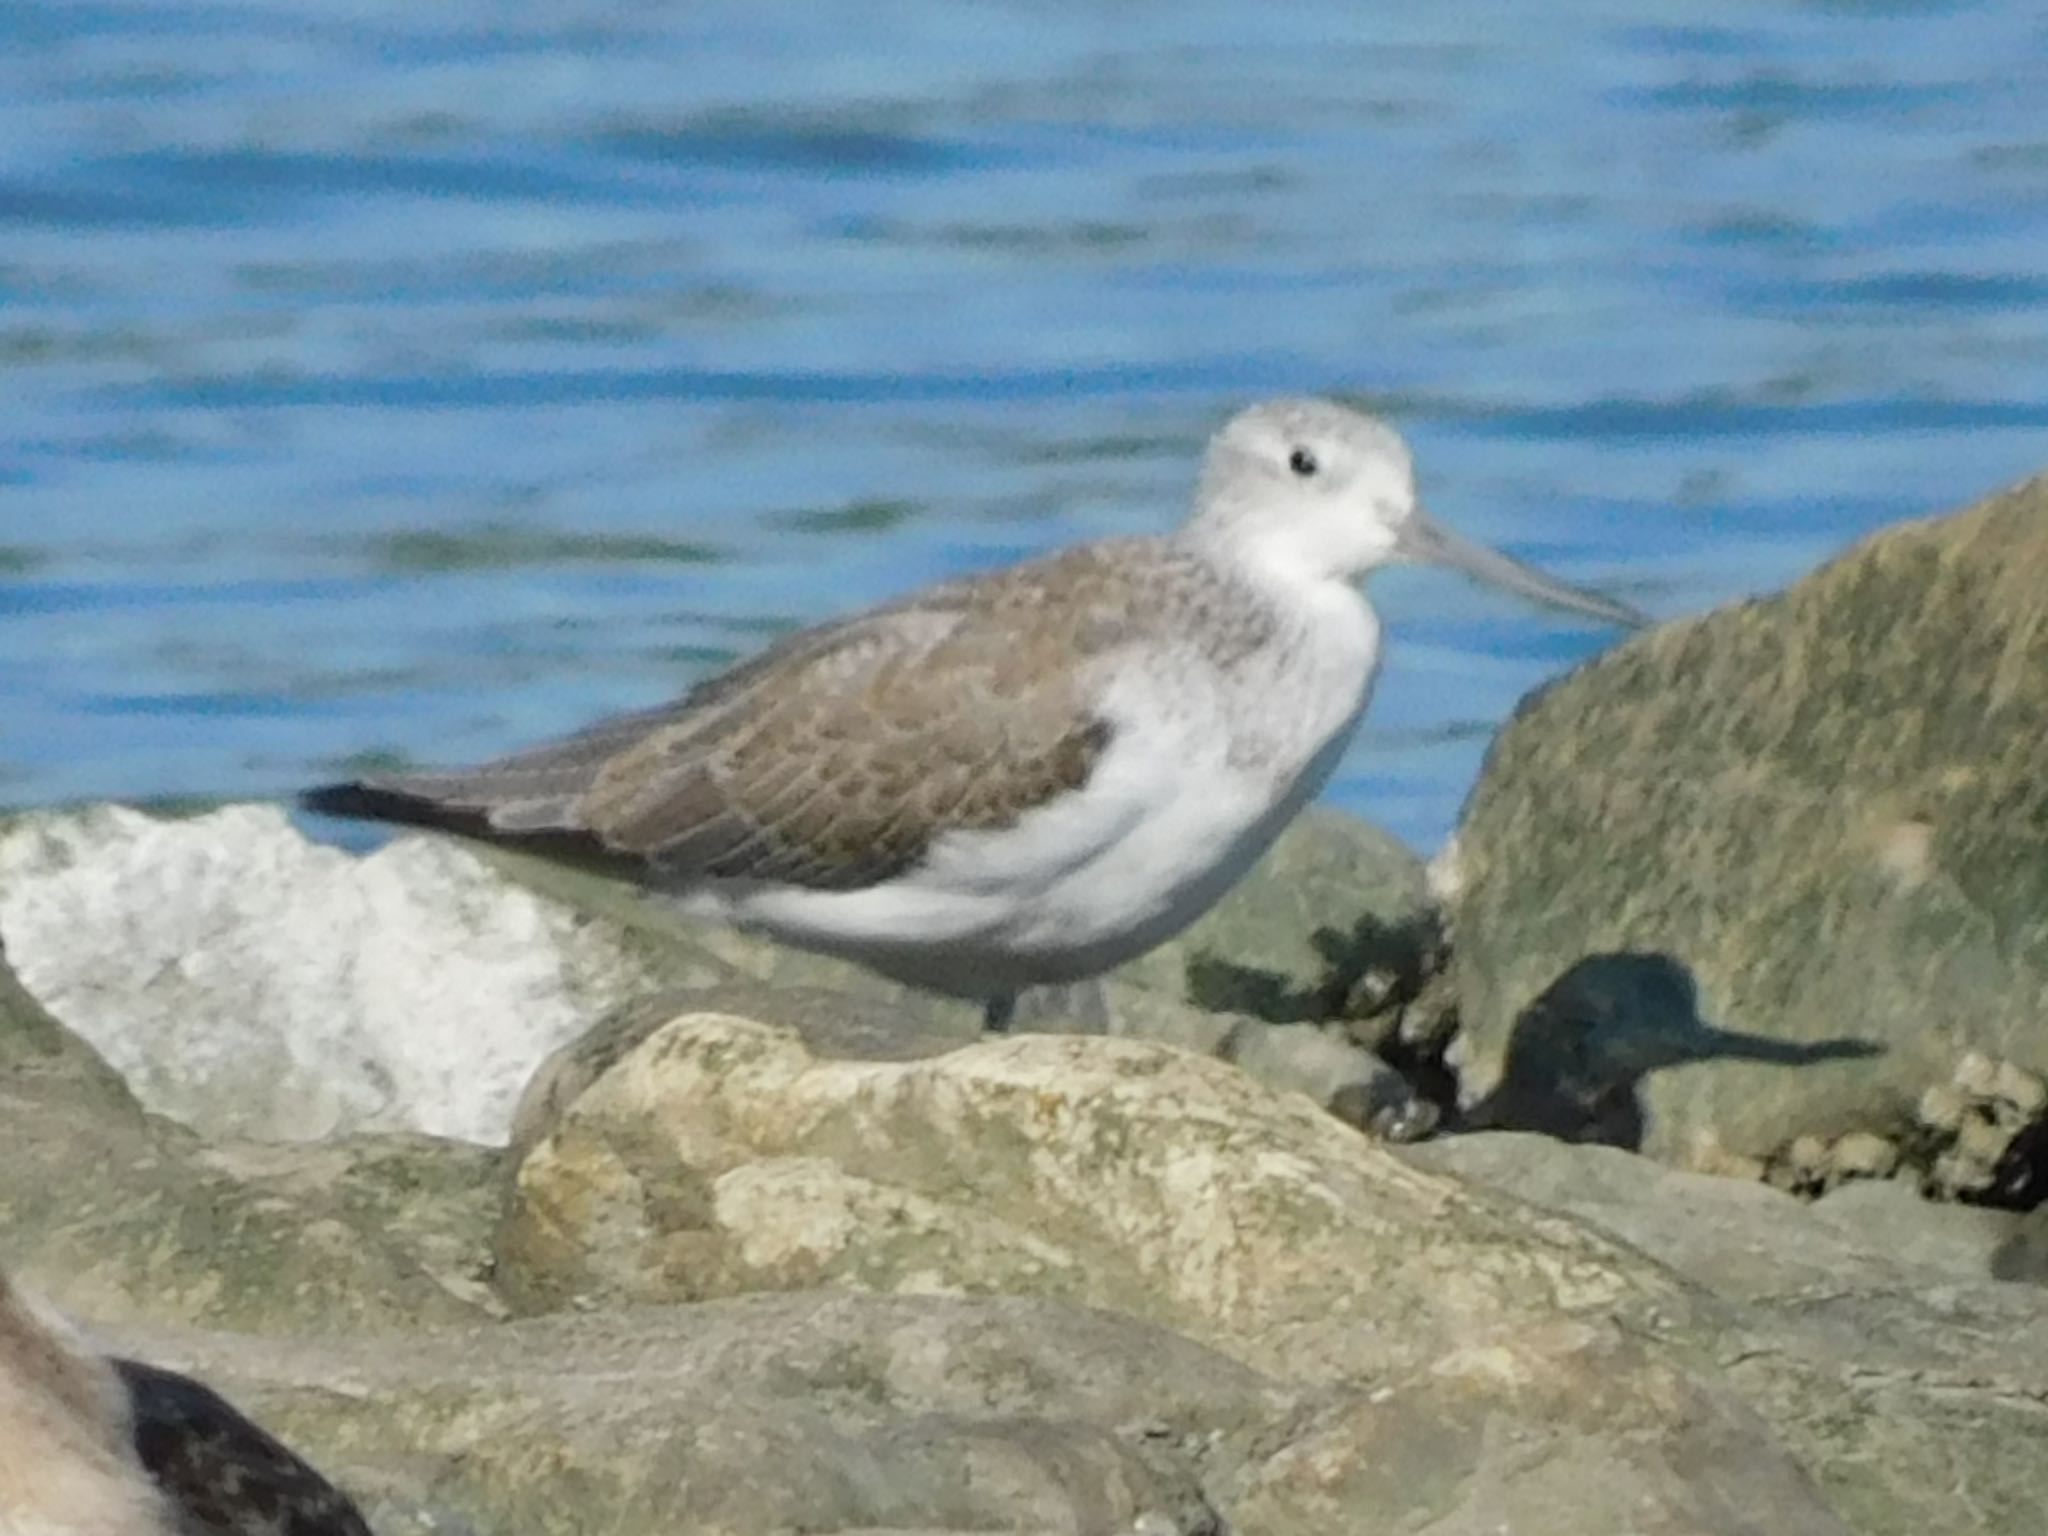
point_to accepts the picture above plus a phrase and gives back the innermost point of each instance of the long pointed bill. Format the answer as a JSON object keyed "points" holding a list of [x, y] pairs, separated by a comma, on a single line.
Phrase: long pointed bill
{"points": [[1422, 538]]}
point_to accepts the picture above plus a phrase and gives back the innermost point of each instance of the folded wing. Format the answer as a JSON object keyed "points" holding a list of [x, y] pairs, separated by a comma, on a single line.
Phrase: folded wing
{"points": [[832, 760]]}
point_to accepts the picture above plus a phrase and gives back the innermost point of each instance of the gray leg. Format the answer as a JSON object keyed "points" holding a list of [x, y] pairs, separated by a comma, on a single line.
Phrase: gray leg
{"points": [[1069, 1008], [995, 1018]]}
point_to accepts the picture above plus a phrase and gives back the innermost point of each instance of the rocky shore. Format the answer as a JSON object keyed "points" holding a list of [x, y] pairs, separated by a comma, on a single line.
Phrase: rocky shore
{"points": [[1667, 1157]]}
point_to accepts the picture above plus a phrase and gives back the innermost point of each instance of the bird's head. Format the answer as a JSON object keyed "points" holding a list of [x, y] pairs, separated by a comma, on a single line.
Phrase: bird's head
{"points": [[1318, 491]]}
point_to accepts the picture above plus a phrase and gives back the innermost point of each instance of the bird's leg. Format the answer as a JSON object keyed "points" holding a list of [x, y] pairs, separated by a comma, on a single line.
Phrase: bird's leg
{"points": [[1060, 1008]]}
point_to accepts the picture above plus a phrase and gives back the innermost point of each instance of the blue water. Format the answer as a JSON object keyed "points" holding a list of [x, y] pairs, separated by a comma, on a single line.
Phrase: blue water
{"points": [[420, 379]]}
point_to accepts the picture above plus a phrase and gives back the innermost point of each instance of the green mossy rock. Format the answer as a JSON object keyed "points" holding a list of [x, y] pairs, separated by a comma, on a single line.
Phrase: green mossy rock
{"points": [[1772, 870]]}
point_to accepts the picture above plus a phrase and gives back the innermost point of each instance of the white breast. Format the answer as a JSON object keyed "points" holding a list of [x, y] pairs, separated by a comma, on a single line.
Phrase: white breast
{"points": [[1205, 766]]}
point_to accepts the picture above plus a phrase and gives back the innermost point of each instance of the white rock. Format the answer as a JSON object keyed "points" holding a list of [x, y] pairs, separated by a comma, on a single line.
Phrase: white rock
{"points": [[246, 980]]}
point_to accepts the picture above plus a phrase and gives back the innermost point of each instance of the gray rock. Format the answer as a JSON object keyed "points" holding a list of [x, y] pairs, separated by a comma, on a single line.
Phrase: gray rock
{"points": [[123, 1214], [1772, 870], [1863, 1329], [742, 1418], [830, 1411], [1465, 1364], [2023, 1255], [1937, 1239], [1313, 1059], [720, 1156], [1743, 1240], [1539, 1434], [1312, 1336], [1449, 1361], [248, 982], [1333, 900], [834, 1024]]}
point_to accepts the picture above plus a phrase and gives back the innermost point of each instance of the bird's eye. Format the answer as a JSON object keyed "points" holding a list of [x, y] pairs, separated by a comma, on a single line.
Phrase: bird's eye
{"points": [[1302, 462]]}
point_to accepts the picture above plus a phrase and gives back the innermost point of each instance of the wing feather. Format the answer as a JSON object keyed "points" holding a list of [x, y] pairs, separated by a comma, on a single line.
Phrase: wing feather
{"points": [[831, 760]]}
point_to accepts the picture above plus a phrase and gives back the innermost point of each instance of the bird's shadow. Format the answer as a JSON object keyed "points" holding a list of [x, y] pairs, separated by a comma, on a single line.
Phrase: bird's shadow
{"points": [[1577, 1056]]}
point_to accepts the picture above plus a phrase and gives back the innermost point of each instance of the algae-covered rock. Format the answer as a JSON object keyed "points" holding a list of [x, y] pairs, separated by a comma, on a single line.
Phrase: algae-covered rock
{"points": [[124, 1214], [1773, 870]]}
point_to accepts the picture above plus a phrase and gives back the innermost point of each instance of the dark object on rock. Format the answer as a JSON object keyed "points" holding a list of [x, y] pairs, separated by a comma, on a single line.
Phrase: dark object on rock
{"points": [[221, 1473]]}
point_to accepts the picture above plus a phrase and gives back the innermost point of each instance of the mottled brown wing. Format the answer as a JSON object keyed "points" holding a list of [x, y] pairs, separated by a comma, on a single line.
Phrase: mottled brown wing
{"points": [[844, 772], [833, 759], [222, 1474]]}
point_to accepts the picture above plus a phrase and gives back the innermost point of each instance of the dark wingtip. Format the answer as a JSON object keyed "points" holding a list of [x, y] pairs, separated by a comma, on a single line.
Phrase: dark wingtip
{"points": [[349, 801], [358, 801], [221, 1471]]}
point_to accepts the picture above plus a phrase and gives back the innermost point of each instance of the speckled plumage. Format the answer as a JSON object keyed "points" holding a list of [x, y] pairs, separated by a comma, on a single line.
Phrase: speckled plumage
{"points": [[1016, 778], [97, 1447], [222, 1474]]}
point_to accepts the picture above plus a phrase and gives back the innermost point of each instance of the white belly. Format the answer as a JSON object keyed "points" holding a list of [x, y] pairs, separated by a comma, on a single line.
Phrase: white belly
{"points": [[1202, 772]]}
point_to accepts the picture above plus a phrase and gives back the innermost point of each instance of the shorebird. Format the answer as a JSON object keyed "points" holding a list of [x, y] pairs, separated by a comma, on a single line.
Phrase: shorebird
{"points": [[1018, 778], [91, 1446]]}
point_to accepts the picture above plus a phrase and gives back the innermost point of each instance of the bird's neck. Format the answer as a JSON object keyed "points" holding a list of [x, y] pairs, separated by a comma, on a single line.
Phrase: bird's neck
{"points": [[1273, 567], [1325, 638]]}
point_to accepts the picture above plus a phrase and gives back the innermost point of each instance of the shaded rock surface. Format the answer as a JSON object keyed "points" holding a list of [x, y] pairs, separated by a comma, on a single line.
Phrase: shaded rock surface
{"points": [[1775, 869], [1744, 1241]]}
